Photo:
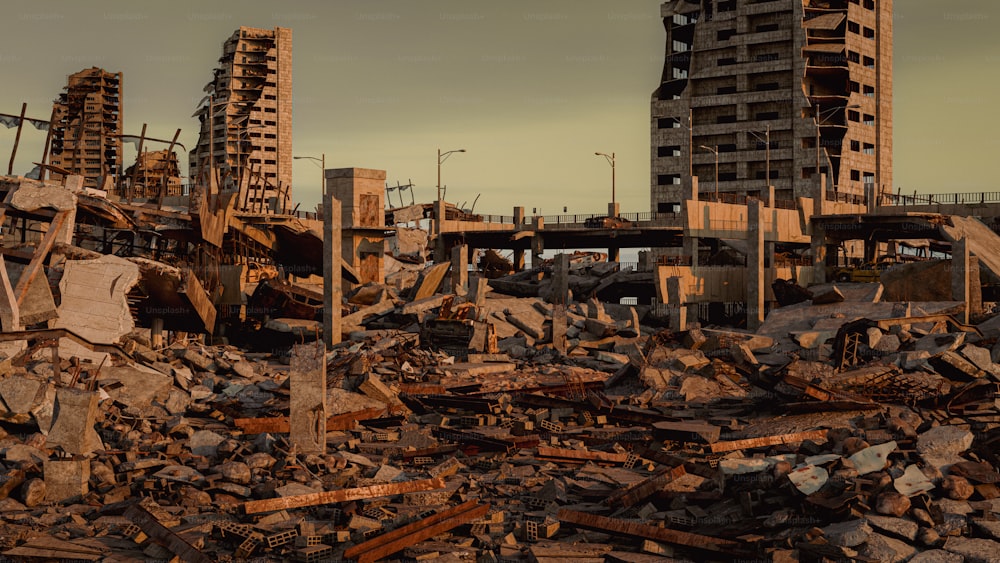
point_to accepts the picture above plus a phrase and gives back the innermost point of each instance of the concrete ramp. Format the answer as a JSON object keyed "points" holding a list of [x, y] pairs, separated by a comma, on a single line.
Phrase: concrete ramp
{"points": [[982, 241]]}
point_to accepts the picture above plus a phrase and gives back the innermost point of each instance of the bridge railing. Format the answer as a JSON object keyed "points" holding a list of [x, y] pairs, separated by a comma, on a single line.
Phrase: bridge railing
{"points": [[957, 198]]}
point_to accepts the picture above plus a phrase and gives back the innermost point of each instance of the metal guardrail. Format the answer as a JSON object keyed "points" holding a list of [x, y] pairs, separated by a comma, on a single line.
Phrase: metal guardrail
{"points": [[958, 198]]}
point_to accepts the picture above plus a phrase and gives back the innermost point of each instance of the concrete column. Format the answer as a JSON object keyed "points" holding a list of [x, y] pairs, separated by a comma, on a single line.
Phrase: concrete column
{"points": [[66, 480], [560, 297], [819, 199], [477, 290], [332, 265], [960, 266], [769, 251], [614, 254], [440, 252], [460, 269], [755, 264], [614, 209], [518, 217], [691, 245], [692, 193], [307, 407], [518, 259], [818, 246], [537, 243], [676, 298]]}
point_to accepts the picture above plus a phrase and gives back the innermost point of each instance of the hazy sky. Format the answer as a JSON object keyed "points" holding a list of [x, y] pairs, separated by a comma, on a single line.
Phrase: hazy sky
{"points": [[530, 88]]}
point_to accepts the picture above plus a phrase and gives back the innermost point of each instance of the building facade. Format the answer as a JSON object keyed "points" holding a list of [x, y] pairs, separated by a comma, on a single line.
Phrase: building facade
{"points": [[773, 93], [247, 119], [87, 127]]}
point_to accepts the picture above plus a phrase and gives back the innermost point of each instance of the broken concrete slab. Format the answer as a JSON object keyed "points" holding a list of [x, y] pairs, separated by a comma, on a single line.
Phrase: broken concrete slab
{"points": [[93, 298], [66, 480], [73, 422]]}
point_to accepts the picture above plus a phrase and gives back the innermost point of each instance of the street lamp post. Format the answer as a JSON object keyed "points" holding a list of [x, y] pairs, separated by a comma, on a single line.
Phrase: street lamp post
{"points": [[716, 152], [443, 156], [611, 160], [322, 169]]}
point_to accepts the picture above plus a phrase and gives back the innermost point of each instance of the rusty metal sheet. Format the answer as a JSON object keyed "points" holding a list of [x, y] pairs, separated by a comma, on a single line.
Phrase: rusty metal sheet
{"points": [[645, 531], [766, 441], [382, 546], [280, 424], [343, 495]]}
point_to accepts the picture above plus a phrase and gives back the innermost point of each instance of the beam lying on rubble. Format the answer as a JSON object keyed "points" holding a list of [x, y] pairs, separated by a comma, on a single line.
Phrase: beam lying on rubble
{"points": [[647, 532], [343, 495], [56, 333], [385, 545], [154, 529], [38, 258], [568, 455], [645, 488], [767, 441], [280, 424]]}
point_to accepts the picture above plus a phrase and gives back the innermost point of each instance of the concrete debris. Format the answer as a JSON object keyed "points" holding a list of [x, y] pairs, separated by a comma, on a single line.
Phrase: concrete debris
{"points": [[175, 401]]}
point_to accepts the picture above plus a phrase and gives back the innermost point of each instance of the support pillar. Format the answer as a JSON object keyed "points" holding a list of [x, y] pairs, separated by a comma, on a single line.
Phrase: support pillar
{"points": [[614, 254], [818, 246], [614, 209], [332, 275], [440, 252], [518, 259], [537, 243], [676, 297], [307, 407], [560, 297], [755, 264], [691, 245], [460, 269], [960, 267], [73, 419]]}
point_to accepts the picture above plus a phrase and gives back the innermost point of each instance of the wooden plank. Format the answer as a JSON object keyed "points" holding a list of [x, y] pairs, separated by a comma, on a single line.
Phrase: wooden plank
{"points": [[645, 531], [157, 531], [41, 252], [766, 441], [280, 424], [401, 538], [343, 495]]}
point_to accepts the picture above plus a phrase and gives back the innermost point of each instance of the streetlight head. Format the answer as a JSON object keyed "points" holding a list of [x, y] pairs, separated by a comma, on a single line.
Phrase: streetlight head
{"points": [[460, 150]]}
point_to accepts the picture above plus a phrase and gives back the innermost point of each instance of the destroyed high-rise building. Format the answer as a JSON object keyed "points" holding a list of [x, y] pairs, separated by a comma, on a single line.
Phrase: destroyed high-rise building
{"points": [[250, 101], [773, 93], [87, 126], [155, 173]]}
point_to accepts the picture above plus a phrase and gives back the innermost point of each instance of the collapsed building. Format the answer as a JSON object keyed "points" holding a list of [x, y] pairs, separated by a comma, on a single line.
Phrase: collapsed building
{"points": [[205, 375]]}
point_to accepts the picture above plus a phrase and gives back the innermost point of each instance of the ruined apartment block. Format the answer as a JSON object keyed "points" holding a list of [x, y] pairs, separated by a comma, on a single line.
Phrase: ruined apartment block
{"points": [[740, 73], [155, 172], [251, 125], [87, 126]]}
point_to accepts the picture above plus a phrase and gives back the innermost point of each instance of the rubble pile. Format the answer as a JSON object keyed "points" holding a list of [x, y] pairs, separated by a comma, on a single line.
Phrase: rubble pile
{"points": [[630, 444]]}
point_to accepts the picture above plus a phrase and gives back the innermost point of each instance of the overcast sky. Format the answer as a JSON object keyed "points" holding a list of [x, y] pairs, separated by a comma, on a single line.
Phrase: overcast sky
{"points": [[530, 88]]}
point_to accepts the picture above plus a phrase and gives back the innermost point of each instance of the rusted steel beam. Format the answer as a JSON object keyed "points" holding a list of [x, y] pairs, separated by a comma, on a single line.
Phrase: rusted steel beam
{"points": [[580, 455], [646, 488], [645, 531], [343, 495], [154, 529], [766, 441], [385, 545], [280, 424]]}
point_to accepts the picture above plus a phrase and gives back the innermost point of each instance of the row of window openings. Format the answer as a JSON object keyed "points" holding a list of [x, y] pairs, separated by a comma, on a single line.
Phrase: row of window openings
{"points": [[855, 27], [807, 172], [859, 88], [673, 122], [869, 4], [856, 58], [675, 150]]}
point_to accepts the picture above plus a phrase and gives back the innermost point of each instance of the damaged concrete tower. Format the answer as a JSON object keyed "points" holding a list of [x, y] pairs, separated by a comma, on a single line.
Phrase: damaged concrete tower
{"points": [[361, 192], [782, 92], [87, 126], [251, 118]]}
